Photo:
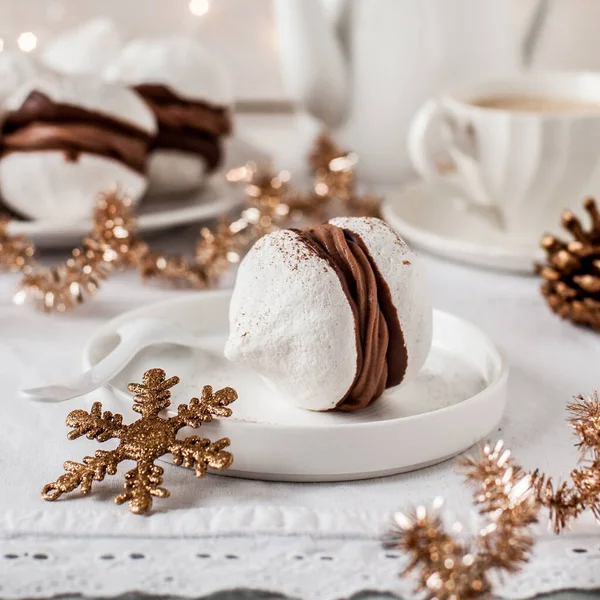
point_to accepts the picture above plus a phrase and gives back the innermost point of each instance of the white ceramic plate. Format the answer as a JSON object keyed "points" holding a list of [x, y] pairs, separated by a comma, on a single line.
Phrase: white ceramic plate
{"points": [[458, 398], [154, 213], [435, 223]]}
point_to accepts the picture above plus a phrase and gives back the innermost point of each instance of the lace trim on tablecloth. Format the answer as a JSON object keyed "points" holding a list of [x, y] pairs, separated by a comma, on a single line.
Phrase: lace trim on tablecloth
{"points": [[299, 566]]}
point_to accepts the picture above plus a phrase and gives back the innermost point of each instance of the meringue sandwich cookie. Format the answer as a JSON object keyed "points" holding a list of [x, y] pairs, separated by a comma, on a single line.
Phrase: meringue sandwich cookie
{"points": [[331, 316], [189, 93], [85, 49], [194, 127], [65, 139]]}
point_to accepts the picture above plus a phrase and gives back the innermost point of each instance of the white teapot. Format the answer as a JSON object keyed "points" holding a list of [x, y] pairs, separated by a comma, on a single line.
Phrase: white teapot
{"points": [[364, 67]]}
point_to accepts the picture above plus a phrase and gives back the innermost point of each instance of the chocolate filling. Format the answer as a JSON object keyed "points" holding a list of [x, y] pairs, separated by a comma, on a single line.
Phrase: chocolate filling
{"points": [[381, 351], [207, 147], [187, 125], [42, 124]]}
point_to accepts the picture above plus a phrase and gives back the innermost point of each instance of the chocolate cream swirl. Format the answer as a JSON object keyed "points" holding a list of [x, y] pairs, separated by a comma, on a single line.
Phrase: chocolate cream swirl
{"points": [[74, 139], [188, 125], [42, 124], [381, 352], [174, 111]]}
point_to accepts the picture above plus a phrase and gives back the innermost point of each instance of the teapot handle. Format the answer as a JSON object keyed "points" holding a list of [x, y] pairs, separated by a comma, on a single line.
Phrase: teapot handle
{"points": [[533, 32], [313, 61]]}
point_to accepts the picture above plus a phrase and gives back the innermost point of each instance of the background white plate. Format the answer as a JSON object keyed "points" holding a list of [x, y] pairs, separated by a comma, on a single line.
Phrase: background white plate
{"points": [[432, 222], [458, 398]]}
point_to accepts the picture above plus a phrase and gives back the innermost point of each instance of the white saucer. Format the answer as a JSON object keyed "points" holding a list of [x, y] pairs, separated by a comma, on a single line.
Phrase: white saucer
{"points": [[437, 224], [458, 399], [154, 214]]}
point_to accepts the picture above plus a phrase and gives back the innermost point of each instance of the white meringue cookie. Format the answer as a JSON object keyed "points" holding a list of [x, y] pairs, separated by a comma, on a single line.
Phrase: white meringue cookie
{"points": [[85, 49], [174, 172], [44, 184], [179, 63], [16, 69], [291, 321], [183, 66]]}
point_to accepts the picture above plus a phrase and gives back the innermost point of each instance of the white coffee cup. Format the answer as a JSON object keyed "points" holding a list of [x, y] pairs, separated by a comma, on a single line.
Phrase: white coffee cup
{"points": [[523, 147]]}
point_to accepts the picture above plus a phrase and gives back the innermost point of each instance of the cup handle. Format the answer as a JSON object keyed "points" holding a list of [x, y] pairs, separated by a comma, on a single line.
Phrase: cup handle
{"points": [[466, 188], [428, 119]]}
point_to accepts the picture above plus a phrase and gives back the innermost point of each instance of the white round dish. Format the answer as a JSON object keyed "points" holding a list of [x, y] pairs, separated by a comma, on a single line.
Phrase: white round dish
{"points": [[155, 213], [457, 399], [438, 224]]}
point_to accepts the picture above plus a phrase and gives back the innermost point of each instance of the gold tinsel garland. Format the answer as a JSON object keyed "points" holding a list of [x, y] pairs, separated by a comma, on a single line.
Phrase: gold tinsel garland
{"points": [[566, 502], [449, 566], [113, 243], [16, 252], [109, 245]]}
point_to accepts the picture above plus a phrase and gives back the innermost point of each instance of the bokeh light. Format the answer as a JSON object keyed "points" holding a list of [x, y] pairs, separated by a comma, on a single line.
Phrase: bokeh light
{"points": [[199, 7], [27, 41]]}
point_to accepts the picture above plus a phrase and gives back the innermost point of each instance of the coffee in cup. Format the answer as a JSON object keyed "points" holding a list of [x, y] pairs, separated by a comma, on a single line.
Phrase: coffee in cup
{"points": [[524, 148], [543, 104]]}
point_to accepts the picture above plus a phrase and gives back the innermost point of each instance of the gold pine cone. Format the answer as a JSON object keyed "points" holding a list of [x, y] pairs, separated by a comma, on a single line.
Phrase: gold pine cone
{"points": [[571, 275]]}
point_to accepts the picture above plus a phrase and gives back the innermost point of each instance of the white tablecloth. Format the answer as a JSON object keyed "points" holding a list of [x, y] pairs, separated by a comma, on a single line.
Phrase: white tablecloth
{"points": [[305, 540]]}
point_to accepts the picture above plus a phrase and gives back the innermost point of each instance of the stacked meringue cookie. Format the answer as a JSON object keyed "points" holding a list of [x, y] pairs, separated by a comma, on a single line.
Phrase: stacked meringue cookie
{"points": [[87, 49], [331, 316], [189, 94], [79, 136], [93, 114]]}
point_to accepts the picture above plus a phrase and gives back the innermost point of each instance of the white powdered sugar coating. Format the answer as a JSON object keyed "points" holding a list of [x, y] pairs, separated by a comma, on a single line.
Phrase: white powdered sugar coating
{"points": [[90, 93], [85, 49], [44, 185], [16, 69], [175, 172], [178, 63], [291, 321], [406, 280]]}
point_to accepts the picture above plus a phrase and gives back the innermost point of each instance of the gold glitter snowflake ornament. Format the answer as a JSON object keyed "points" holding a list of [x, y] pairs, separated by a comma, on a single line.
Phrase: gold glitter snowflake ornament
{"points": [[145, 441]]}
